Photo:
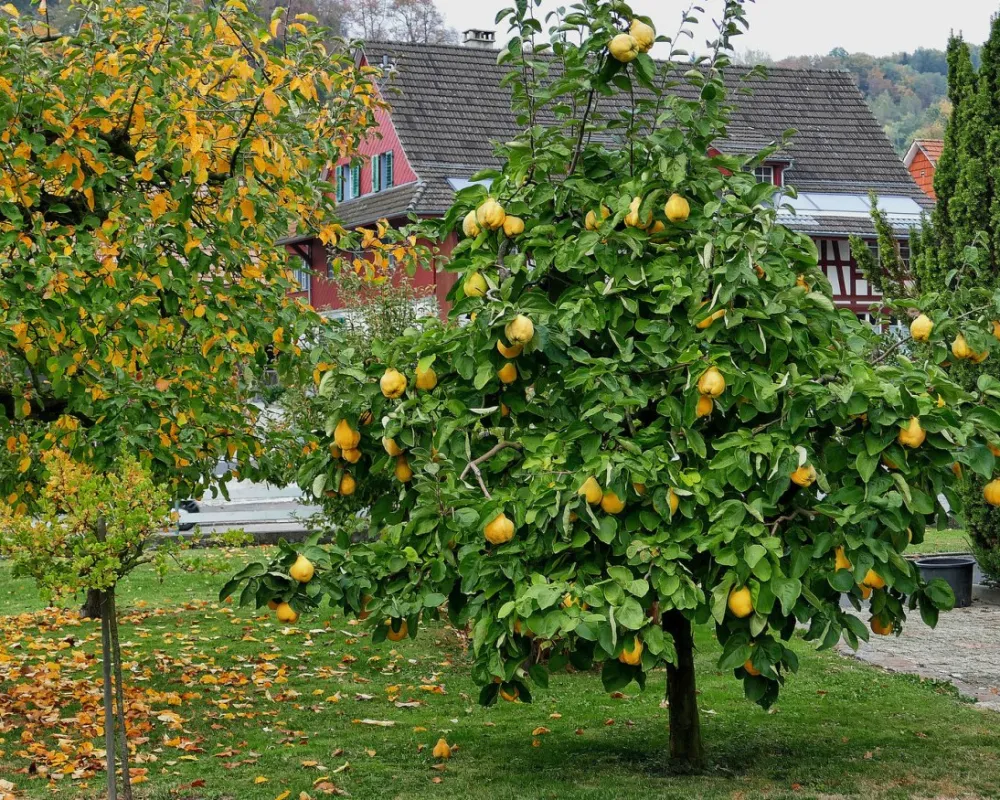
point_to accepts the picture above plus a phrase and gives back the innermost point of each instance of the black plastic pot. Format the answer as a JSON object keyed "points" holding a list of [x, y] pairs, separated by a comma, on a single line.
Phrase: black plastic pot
{"points": [[956, 571]]}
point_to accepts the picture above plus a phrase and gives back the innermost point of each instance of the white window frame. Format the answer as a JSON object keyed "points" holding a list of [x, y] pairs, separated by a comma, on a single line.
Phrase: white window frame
{"points": [[765, 169], [303, 277]]}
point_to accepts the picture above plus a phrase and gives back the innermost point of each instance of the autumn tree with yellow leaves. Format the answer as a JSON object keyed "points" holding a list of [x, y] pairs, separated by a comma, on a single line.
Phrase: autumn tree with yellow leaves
{"points": [[151, 160]]}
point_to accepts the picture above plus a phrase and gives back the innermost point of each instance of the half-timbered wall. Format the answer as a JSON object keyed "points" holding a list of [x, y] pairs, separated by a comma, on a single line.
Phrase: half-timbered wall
{"points": [[850, 288]]}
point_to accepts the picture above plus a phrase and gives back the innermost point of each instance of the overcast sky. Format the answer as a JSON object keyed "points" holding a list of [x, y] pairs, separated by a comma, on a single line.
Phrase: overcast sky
{"points": [[797, 27]]}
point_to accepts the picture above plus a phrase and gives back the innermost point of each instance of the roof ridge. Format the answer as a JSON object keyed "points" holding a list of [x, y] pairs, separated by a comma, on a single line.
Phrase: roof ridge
{"points": [[492, 53]]}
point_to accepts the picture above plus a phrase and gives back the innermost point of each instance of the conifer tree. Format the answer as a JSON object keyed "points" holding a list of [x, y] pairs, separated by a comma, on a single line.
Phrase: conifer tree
{"points": [[958, 256]]}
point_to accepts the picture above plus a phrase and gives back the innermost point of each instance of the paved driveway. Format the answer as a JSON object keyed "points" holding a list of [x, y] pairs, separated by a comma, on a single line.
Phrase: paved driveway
{"points": [[964, 648]]}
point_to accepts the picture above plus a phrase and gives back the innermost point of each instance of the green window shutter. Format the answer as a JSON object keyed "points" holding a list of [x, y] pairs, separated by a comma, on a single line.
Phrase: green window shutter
{"points": [[356, 180], [339, 177], [387, 177], [376, 174]]}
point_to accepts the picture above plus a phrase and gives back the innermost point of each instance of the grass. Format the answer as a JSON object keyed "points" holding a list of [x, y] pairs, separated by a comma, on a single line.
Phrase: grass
{"points": [[256, 702], [947, 541]]}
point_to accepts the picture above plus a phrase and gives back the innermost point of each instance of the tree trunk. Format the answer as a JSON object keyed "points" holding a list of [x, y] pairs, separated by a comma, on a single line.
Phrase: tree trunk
{"points": [[686, 750], [109, 714], [123, 755], [92, 605]]}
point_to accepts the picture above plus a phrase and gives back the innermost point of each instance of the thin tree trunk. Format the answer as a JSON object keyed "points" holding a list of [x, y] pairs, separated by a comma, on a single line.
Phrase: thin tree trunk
{"points": [[686, 749], [123, 753], [109, 714], [92, 605], [106, 655]]}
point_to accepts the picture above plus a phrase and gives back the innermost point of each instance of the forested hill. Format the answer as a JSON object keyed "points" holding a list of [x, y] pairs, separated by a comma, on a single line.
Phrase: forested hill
{"points": [[906, 91]]}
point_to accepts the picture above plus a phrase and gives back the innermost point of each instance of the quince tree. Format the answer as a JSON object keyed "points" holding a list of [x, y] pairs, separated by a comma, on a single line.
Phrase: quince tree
{"points": [[647, 413]]}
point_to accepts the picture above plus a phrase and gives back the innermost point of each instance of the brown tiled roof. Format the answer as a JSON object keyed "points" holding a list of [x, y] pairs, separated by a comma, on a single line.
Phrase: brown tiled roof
{"points": [[932, 148], [449, 109]]}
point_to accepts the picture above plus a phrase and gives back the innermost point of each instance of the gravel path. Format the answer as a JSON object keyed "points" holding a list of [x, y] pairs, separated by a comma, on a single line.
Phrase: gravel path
{"points": [[964, 648]]}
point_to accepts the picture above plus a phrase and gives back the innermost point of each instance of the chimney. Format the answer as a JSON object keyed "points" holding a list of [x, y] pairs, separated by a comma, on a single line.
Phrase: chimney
{"points": [[482, 40]]}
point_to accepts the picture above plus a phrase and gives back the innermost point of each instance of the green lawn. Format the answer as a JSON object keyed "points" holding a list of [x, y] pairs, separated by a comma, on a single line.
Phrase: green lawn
{"points": [[233, 699], [948, 541]]}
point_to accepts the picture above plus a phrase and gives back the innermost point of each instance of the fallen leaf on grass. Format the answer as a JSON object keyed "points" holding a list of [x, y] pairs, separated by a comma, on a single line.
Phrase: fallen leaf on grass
{"points": [[326, 787], [555, 715], [408, 704], [284, 795], [540, 730], [381, 723], [260, 779]]}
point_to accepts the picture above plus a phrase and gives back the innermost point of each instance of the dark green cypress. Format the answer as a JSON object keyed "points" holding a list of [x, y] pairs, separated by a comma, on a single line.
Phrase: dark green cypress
{"points": [[967, 184], [939, 250]]}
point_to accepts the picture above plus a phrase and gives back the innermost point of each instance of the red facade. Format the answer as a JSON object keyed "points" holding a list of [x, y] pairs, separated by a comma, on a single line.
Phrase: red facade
{"points": [[321, 292], [922, 170]]}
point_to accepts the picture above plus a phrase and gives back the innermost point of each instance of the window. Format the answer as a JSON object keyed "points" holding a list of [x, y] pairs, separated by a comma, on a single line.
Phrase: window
{"points": [[346, 186], [764, 174], [303, 277], [904, 251], [356, 180], [341, 185], [382, 171], [387, 159]]}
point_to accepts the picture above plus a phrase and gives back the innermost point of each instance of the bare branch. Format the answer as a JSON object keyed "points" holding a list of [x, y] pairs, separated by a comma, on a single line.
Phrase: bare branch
{"points": [[474, 465]]}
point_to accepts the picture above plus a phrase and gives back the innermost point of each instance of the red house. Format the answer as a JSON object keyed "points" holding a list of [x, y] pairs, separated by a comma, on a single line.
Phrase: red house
{"points": [[921, 160], [448, 108]]}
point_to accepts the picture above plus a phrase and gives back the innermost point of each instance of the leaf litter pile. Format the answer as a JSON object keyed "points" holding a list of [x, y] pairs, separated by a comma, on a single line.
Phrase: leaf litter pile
{"points": [[202, 683]]}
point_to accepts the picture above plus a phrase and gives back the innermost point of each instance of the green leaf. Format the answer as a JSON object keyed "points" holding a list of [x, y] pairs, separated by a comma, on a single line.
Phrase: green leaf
{"points": [[616, 676], [787, 590], [752, 554], [630, 614]]}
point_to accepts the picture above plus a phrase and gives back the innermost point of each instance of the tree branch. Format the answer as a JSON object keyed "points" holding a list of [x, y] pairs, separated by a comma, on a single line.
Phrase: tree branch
{"points": [[798, 512], [474, 465]]}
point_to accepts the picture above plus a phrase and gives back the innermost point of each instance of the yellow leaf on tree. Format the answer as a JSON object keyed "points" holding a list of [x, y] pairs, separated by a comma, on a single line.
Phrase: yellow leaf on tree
{"points": [[158, 207], [247, 209], [23, 464], [10, 9], [278, 336], [272, 102]]}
